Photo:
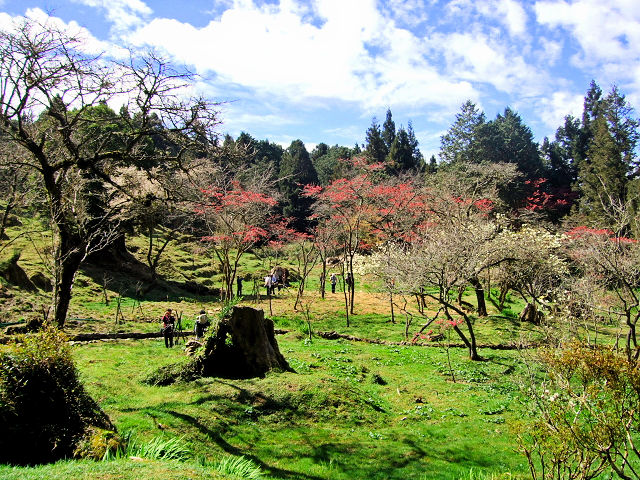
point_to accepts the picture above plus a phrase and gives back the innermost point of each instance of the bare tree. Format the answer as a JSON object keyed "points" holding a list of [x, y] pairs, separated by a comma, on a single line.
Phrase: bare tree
{"points": [[53, 107], [612, 263]]}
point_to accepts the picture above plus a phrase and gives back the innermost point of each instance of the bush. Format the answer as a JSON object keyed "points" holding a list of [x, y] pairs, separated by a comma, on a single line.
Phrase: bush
{"points": [[588, 417], [44, 410]]}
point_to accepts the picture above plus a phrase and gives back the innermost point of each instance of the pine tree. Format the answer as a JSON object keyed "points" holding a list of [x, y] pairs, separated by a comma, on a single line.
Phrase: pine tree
{"points": [[433, 165], [320, 150], [508, 140], [418, 159], [296, 170], [400, 157], [602, 177], [461, 142], [610, 161], [388, 131], [376, 150], [623, 127]]}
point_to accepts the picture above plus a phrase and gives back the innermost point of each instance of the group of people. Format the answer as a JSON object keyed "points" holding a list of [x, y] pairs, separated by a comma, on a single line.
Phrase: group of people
{"points": [[273, 281], [169, 324], [348, 280]]}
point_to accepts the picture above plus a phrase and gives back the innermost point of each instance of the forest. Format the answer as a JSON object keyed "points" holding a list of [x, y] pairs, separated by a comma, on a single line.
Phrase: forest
{"points": [[470, 316]]}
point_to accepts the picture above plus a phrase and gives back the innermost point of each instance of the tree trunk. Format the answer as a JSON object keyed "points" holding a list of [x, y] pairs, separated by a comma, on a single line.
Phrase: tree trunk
{"points": [[482, 305], [346, 296], [469, 342], [252, 352], [631, 344], [67, 265], [323, 278], [504, 290], [393, 316]]}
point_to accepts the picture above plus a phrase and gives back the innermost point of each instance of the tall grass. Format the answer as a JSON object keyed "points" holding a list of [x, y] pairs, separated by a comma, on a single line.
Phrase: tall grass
{"points": [[158, 448], [237, 467]]}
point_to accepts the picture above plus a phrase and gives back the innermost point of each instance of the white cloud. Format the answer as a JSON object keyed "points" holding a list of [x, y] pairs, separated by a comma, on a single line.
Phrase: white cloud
{"points": [[89, 44], [552, 109], [244, 120], [551, 51], [606, 31], [478, 58], [607, 36], [508, 13], [408, 12], [515, 16], [356, 55], [123, 14]]}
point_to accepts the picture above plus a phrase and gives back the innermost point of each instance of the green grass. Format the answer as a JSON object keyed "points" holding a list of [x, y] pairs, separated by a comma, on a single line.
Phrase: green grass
{"points": [[332, 419], [352, 411], [124, 469]]}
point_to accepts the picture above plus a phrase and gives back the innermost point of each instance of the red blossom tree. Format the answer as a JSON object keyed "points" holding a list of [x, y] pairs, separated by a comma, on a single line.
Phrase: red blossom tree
{"points": [[345, 205], [237, 219]]}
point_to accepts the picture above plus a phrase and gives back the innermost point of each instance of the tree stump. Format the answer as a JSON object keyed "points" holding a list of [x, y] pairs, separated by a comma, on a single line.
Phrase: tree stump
{"points": [[243, 346], [531, 314]]}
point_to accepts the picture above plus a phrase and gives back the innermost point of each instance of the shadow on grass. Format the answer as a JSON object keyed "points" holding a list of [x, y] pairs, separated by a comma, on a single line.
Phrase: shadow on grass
{"points": [[217, 438]]}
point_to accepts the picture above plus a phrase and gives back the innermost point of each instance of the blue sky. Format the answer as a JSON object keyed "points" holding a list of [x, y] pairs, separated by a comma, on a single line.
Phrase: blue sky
{"points": [[319, 70]]}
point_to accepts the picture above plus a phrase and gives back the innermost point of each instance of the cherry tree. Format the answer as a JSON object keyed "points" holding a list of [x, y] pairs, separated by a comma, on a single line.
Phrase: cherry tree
{"points": [[324, 240], [237, 219], [453, 241], [535, 267], [345, 205]]}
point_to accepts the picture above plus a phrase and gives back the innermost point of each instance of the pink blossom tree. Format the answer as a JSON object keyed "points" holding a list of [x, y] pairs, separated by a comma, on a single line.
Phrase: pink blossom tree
{"points": [[237, 219]]}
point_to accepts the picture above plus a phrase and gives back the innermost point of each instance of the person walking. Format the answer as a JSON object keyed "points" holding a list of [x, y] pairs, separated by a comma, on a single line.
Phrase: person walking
{"points": [[268, 283], [239, 286], [168, 323], [333, 280]]}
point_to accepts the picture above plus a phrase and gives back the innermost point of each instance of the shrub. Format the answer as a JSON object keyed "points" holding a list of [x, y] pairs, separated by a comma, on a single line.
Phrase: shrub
{"points": [[44, 410], [588, 416]]}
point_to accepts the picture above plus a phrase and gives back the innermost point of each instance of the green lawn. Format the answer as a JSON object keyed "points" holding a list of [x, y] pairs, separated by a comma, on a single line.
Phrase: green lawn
{"points": [[350, 411]]}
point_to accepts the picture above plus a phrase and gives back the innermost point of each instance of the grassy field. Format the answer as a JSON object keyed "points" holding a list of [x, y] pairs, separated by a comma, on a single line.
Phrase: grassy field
{"points": [[352, 410]]}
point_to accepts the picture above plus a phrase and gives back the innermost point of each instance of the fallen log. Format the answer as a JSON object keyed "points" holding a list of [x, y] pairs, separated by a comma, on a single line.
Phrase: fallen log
{"points": [[333, 335]]}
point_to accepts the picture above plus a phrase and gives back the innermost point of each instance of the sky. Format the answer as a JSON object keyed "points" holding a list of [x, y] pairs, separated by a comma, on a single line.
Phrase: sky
{"points": [[321, 70]]}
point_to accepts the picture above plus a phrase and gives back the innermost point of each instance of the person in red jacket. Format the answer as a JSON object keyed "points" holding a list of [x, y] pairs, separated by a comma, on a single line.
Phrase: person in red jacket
{"points": [[168, 323]]}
